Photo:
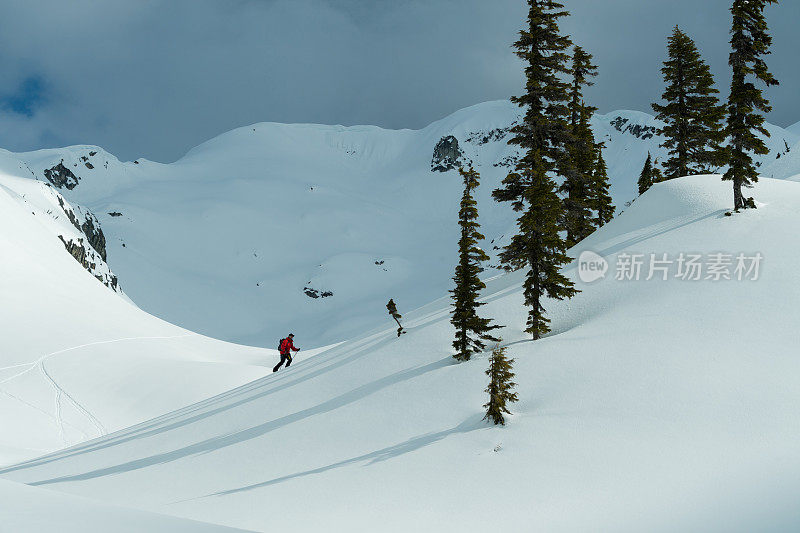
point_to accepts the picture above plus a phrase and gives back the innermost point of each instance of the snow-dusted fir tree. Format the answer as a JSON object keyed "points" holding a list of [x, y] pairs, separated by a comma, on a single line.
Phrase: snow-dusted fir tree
{"points": [[749, 43], [500, 386], [599, 198], [543, 134], [579, 163], [471, 329], [392, 308], [691, 111], [646, 176]]}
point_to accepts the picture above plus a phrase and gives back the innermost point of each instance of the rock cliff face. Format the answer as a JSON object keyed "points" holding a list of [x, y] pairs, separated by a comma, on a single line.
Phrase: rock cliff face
{"points": [[94, 234], [89, 226], [88, 258], [87, 244], [446, 155], [61, 177]]}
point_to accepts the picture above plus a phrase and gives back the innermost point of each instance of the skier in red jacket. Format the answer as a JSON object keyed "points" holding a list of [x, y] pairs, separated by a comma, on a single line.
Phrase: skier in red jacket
{"points": [[285, 348]]}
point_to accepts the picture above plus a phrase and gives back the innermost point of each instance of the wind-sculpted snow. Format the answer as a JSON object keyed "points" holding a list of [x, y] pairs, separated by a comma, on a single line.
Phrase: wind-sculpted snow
{"points": [[654, 405]]}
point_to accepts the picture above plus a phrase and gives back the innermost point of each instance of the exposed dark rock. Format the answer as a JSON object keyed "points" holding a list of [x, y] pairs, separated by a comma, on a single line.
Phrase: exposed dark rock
{"points": [[90, 227], [314, 293], [69, 212], [446, 155], [78, 251], [637, 130], [483, 137], [61, 176], [115, 214], [507, 161], [89, 165], [94, 234], [92, 154]]}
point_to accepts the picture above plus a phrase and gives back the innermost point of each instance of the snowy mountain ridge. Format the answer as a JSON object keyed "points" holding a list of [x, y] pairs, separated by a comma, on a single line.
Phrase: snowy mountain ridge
{"points": [[329, 220]]}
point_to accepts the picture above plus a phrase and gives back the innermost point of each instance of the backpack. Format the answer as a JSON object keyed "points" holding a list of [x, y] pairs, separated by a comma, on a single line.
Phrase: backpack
{"points": [[280, 346]]}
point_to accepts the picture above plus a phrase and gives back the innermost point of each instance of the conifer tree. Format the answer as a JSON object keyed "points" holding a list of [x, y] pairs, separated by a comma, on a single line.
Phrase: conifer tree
{"points": [[579, 161], [656, 176], [543, 133], [692, 113], [600, 200], [500, 386], [471, 330], [749, 42], [392, 307], [646, 177]]}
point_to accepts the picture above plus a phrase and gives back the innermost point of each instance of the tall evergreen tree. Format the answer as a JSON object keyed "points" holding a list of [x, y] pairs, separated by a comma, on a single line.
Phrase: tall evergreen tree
{"points": [[692, 113], [542, 133], [599, 199], [646, 177], [500, 386], [583, 70], [578, 163], [749, 42], [471, 330]]}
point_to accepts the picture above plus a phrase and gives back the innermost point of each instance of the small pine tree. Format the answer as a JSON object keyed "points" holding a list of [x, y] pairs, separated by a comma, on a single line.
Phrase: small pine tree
{"points": [[646, 177], [749, 42], [392, 307], [600, 199], [692, 113], [500, 386], [471, 330], [578, 163], [543, 134]]}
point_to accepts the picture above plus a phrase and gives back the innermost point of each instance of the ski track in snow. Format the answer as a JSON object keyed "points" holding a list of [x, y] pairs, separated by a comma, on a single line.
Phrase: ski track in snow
{"points": [[59, 391]]}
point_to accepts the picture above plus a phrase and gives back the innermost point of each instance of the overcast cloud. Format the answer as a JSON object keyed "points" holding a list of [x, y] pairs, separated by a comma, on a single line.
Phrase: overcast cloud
{"points": [[154, 78]]}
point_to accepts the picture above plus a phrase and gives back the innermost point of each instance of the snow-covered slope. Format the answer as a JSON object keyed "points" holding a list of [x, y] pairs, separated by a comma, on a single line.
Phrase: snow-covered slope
{"points": [[78, 359], [654, 406], [31, 510], [273, 228]]}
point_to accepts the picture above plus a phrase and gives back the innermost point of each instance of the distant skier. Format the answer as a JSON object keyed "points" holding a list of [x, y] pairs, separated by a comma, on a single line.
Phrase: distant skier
{"points": [[285, 348]]}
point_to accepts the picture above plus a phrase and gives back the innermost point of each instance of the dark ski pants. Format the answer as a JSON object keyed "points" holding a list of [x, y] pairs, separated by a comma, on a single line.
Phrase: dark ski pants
{"points": [[285, 358]]}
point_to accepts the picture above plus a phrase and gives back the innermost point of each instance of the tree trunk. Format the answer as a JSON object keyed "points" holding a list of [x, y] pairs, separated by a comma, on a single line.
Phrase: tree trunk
{"points": [[738, 198]]}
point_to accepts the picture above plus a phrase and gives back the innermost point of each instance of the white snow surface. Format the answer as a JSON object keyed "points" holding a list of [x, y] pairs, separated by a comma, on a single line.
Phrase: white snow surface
{"points": [[78, 360], [32, 510], [653, 406], [225, 240]]}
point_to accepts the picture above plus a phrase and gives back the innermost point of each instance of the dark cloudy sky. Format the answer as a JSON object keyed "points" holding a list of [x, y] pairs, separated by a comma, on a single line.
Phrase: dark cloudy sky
{"points": [[153, 78]]}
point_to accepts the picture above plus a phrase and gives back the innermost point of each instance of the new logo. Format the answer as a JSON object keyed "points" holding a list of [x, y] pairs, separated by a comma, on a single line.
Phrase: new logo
{"points": [[591, 266]]}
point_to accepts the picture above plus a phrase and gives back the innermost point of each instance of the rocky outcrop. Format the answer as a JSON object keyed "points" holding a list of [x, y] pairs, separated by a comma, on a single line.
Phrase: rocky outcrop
{"points": [[639, 131], [446, 155], [483, 137], [90, 228], [85, 256], [314, 293], [94, 234], [61, 177], [69, 212]]}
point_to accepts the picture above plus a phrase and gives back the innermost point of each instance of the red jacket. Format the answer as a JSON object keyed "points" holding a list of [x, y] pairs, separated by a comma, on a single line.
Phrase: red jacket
{"points": [[287, 345]]}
